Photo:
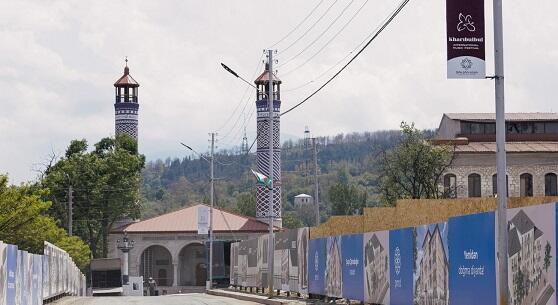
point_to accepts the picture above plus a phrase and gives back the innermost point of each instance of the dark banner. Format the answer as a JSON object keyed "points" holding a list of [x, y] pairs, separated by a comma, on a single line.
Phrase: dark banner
{"points": [[465, 38]]}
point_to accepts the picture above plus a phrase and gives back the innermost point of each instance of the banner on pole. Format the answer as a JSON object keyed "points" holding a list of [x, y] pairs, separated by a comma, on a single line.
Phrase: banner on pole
{"points": [[465, 39], [203, 219]]}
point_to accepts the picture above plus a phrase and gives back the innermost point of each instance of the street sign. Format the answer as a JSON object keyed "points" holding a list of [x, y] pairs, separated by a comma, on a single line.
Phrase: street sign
{"points": [[203, 219], [465, 39]]}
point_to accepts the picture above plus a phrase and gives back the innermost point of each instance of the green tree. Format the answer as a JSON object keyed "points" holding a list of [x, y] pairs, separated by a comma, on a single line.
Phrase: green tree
{"points": [[105, 185], [346, 199], [547, 256], [23, 222], [413, 168], [291, 221], [246, 204], [519, 283]]}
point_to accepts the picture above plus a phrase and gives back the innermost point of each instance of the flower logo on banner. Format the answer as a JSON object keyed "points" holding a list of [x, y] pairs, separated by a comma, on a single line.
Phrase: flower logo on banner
{"points": [[316, 261], [397, 260], [465, 22], [466, 64]]}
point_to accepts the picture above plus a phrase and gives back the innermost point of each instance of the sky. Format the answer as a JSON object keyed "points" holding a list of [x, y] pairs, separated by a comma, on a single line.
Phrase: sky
{"points": [[59, 60]]}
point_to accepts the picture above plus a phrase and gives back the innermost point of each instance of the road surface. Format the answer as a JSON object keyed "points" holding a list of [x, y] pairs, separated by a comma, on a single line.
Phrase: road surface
{"points": [[178, 299]]}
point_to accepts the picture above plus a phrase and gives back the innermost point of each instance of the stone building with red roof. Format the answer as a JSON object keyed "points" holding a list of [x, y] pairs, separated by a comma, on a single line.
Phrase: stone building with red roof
{"points": [[169, 249], [531, 146]]}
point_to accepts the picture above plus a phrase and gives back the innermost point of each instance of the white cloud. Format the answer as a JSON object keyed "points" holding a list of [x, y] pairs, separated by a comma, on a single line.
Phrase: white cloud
{"points": [[59, 59]]}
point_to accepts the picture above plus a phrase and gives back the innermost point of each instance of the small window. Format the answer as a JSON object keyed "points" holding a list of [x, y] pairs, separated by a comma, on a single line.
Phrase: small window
{"points": [[526, 128], [539, 127], [450, 186], [465, 128], [526, 185], [551, 127], [495, 185], [490, 128], [512, 127], [477, 128], [550, 185], [474, 185]]}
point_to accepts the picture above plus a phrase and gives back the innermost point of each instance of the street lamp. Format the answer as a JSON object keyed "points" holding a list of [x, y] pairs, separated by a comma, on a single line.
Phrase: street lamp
{"points": [[125, 246], [270, 98], [212, 179]]}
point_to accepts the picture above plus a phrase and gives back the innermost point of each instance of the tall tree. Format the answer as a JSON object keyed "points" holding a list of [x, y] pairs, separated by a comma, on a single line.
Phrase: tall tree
{"points": [[246, 204], [105, 185], [413, 168], [346, 199], [23, 222]]}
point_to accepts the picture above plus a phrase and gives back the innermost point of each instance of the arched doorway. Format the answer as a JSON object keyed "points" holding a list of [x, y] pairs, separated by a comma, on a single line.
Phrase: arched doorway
{"points": [[156, 262], [193, 265]]}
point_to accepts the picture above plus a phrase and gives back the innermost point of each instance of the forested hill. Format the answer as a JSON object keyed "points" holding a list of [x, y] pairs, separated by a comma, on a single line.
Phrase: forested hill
{"points": [[172, 184]]}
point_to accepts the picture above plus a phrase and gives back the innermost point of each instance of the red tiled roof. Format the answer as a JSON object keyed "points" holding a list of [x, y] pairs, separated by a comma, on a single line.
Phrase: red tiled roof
{"points": [[186, 221], [519, 116], [511, 147], [264, 77], [126, 80]]}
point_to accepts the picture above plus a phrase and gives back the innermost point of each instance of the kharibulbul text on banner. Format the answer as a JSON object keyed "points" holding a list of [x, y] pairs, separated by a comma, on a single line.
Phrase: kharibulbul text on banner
{"points": [[465, 38]]}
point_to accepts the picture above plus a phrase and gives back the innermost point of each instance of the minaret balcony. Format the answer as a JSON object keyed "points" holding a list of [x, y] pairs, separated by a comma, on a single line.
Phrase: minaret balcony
{"points": [[126, 99]]}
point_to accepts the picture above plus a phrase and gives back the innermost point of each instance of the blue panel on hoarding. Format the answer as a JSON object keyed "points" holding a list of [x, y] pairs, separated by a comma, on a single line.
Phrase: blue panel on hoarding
{"points": [[316, 266], [353, 272], [11, 262], [472, 272], [23, 276], [35, 280], [401, 266]]}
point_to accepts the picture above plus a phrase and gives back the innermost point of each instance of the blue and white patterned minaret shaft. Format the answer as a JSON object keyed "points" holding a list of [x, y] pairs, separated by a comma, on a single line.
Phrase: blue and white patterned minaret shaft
{"points": [[263, 193], [126, 105]]}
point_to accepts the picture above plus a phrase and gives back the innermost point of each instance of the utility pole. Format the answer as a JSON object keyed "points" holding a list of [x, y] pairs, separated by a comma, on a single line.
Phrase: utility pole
{"points": [[212, 158], [70, 210], [271, 242], [316, 198], [501, 153]]}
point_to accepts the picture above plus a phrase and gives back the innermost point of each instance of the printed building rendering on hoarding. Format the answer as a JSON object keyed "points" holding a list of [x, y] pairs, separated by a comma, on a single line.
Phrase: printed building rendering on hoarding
{"points": [[530, 261], [376, 268], [532, 154], [431, 285]]}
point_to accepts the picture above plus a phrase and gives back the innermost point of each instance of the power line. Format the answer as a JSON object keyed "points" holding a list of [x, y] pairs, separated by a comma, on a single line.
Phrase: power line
{"points": [[330, 40], [320, 35], [386, 23], [298, 25], [243, 96], [310, 28]]}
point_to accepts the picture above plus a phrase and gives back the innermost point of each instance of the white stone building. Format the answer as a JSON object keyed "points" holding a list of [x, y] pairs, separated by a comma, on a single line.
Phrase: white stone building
{"points": [[169, 249], [532, 154], [303, 200]]}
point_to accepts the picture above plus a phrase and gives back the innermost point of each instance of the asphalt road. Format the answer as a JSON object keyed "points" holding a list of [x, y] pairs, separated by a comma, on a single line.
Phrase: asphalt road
{"points": [[177, 299]]}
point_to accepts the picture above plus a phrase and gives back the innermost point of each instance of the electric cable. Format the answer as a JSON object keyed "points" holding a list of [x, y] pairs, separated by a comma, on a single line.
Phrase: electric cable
{"points": [[319, 35], [329, 41], [298, 25], [386, 23], [260, 63], [310, 28]]}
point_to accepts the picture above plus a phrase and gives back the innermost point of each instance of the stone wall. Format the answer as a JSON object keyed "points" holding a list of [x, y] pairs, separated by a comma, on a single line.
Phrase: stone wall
{"points": [[538, 165]]}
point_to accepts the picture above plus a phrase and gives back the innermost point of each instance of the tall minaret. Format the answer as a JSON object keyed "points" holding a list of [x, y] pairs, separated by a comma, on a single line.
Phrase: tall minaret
{"points": [[262, 197], [126, 105]]}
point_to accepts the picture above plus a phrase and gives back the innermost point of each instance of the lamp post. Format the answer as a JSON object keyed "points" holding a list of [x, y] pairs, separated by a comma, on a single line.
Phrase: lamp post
{"points": [[125, 246], [212, 179]]}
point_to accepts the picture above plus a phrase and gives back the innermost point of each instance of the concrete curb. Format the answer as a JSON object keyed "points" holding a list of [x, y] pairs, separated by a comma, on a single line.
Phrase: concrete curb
{"points": [[247, 297]]}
